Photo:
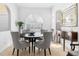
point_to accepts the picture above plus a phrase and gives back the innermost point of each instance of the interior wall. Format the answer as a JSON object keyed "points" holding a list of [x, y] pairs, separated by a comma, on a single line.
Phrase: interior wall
{"points": [[44, 12], [58, 7], [5, 40], [14, 16]]}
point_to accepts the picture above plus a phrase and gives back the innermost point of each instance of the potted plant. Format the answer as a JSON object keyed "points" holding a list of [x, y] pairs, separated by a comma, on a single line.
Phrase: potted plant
{"points": [[19, 24]]}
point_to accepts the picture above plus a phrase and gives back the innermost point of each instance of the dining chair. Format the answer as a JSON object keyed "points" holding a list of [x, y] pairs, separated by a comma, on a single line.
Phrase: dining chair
{"points": [[45, 43], [73, 53], [74, 40], [17, 43], [23, 33]]}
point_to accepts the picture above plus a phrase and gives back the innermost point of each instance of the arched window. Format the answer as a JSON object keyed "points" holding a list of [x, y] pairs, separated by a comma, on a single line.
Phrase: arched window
{"points": [[4, 18]]}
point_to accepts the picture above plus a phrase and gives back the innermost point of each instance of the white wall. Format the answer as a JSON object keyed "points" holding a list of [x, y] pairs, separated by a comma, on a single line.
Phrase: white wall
{"points": [[5, 40], [58, 7], [44, 12], [14, 16]]}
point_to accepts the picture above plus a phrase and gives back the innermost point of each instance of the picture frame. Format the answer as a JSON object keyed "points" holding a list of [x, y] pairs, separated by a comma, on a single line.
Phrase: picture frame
{"points": [[70, 16]]}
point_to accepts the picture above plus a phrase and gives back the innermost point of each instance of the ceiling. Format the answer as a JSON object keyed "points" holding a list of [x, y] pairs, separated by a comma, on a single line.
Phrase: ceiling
{"points": [[43, 4]]}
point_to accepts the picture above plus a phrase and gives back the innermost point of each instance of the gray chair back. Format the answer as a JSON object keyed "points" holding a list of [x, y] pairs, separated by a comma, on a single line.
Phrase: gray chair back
{"points": [[16, 38], [47, 39]]}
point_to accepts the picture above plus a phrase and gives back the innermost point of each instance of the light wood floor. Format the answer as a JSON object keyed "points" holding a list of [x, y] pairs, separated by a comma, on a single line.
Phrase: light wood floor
{"points": [[56, 50]]}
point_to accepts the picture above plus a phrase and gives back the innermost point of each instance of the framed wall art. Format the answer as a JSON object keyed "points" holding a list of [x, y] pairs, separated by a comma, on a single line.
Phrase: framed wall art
{"points": [[70, 16]]}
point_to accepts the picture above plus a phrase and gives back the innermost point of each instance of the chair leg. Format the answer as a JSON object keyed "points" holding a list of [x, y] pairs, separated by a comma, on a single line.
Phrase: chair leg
{"points": [[25, 48], [17, 52], [13, 51], [32, 45], [29, 49], [49, 51], [34, 50], [39, 51], [44, 52], [22, 49]]}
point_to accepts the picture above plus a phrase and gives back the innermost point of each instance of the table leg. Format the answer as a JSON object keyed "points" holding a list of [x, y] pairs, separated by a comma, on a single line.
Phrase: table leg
{"points": [[29, 46], [64, 44], [32, 44]]}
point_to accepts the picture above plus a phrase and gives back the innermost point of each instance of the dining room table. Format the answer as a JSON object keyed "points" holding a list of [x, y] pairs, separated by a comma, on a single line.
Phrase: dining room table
{"points": [[32, 38]]}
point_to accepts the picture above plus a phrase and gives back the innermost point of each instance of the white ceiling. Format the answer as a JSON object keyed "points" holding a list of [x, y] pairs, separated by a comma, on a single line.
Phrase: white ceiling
{"points": [[54, 6], [44, 4]]}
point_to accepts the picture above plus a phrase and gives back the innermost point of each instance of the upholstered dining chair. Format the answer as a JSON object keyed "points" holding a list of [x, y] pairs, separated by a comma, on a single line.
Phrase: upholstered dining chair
{"points": [[45, 43], [17, 43], [23, 33], [73, 53]]}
